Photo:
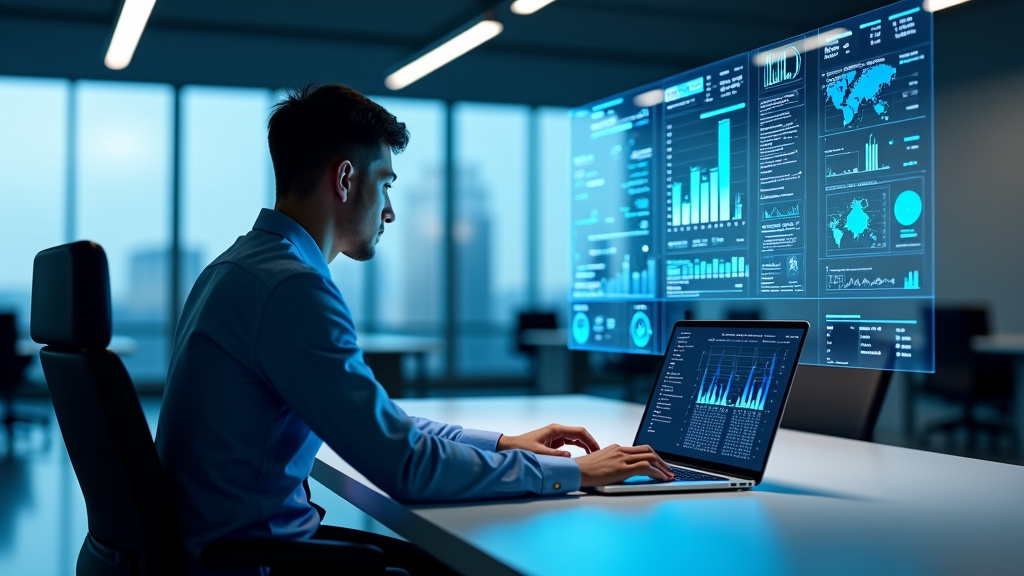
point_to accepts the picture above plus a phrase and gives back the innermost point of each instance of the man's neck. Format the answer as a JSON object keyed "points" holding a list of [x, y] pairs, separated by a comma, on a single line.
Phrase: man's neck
{"points": [[314, 219]]}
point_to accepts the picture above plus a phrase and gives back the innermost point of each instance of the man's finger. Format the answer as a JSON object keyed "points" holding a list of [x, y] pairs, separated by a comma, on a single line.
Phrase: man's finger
{"points": [[645, 469], [551, 451], [581, 444], [580, 433]]}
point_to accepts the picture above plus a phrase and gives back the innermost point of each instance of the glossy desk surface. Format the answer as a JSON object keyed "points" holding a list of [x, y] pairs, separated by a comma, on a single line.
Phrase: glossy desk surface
{"points": [[827, 506]]}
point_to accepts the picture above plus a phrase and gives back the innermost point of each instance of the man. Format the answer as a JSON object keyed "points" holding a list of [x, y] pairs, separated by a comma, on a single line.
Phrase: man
{"points": [[266, 365]]}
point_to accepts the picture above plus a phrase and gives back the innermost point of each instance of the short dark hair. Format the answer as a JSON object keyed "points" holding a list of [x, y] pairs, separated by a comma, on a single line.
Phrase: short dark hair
{"points": [[315, 126]]}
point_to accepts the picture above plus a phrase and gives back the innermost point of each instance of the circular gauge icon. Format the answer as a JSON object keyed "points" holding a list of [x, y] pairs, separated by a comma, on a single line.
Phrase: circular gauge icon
{"points": [[908, 207], [580, 328], [640, 330]]}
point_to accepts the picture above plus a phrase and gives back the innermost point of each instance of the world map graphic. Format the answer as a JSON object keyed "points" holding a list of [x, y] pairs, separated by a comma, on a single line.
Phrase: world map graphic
{"points": [[857, 90]]}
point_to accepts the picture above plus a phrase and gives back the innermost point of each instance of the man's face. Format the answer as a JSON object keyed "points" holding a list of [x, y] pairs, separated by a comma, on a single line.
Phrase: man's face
{"points": [[370, 208]]}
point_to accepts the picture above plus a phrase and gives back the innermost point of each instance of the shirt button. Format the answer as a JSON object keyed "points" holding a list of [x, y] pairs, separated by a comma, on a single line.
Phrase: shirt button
{"points": [[558, 486]]}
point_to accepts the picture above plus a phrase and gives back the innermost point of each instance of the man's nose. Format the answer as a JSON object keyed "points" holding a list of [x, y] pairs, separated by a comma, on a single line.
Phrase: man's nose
{"points": [[388, 215]]}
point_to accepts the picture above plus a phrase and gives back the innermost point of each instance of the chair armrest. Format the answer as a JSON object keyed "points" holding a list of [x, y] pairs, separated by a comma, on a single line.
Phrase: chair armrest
{"points": [[277, 553]]}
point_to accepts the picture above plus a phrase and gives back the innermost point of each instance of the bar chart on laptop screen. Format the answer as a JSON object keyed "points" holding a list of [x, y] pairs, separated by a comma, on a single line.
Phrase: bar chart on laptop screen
{"points": [[793, 181]]}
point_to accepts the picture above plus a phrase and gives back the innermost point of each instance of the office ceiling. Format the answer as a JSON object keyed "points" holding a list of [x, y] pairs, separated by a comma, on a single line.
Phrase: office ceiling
{"points": [[568, 53]]}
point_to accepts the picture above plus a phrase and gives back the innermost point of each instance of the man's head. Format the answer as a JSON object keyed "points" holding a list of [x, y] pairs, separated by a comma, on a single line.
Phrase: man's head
{"points": [[332, 136], [316, 126]]}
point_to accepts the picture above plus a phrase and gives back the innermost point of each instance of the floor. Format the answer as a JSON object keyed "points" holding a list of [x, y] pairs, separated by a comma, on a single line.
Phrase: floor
{"points": [[43, 516]]}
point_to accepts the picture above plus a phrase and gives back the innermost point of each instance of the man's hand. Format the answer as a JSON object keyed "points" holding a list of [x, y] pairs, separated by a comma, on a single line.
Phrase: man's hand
{"points": [[616, 463], [549, 439]]}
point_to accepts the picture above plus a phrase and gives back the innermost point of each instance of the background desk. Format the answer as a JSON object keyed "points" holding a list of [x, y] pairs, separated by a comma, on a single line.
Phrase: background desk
{"points": [[385, 354], [828, 506], [559, 370]]}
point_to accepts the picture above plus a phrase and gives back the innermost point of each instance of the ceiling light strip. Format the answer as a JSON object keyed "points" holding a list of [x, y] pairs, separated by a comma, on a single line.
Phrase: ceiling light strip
{"points": [[131, 22], [526, 7], [450, 50], [936, 5]]}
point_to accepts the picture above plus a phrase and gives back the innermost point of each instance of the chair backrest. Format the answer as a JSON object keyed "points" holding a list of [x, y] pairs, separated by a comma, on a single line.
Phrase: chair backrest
{"points": [[955, 363], [132, 525], [836, 401]]}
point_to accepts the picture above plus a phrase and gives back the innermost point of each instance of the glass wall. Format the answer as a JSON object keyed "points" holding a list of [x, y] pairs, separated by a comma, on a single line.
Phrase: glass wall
{"points": [[96, 159]]}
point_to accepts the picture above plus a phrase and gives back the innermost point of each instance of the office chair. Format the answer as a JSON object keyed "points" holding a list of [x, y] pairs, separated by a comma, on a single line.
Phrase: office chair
{"points": [[966, 378], [836, 401], [133, 528], [12, 371]]}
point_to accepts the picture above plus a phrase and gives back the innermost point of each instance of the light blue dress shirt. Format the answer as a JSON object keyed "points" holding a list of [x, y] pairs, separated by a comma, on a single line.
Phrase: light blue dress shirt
{"points": [[265, 368]]}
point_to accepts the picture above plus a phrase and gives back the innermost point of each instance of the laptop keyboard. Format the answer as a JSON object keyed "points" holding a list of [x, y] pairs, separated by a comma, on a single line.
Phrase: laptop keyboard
{"points": [[682, 474]]}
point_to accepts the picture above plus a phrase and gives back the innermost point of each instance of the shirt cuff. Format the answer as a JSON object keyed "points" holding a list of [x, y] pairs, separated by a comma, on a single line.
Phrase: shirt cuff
{"points": [[481, 439], [560, 474]]}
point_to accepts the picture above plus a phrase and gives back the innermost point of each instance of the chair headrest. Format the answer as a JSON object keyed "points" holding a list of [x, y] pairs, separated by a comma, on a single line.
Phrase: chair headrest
{"points": [[71, 296]]}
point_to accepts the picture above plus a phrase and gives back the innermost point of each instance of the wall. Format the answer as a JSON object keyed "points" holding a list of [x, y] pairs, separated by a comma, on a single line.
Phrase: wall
{"points": [[979, 157]]}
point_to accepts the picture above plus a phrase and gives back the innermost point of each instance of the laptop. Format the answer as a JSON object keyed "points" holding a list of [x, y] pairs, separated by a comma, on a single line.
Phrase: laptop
{"points": [[717, 403]]}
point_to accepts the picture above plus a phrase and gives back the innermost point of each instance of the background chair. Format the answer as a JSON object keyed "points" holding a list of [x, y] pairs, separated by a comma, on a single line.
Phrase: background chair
{"points": [[532, 320], [133, 527], [965, 379], [12, 372], [836, 401]]}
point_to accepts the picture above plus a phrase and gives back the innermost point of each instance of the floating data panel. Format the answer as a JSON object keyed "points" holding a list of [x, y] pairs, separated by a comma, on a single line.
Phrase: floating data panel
{"points": [[791, 182]]}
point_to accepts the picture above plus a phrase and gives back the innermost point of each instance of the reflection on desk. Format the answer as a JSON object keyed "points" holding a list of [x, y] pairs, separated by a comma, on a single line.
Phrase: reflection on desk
{"points": [[827, 506], [384, 353]]}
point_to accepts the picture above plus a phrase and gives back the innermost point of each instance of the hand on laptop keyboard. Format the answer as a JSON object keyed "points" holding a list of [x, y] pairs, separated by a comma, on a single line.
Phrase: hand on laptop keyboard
{"points": [[616, 463]]}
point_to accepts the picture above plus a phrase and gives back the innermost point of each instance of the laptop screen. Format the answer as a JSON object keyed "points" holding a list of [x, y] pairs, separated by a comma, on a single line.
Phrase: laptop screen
{"points": [[721, 390]]}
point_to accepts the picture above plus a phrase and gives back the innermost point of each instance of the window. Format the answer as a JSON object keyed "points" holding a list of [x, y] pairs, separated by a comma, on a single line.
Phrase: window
{"points": [[33, 182], [552, 207], [491, 171], [119, 192], [410, 261], [123, 145], [226, 175]]}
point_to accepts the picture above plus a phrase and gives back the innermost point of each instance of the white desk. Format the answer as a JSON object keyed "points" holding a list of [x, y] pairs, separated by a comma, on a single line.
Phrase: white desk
{"points": [[827, 506]]}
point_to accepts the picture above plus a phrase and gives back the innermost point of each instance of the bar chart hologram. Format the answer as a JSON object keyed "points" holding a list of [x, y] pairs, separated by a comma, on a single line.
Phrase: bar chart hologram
{"points": [[781, 65], [846, 163], [738, 377], [703, 269], [630, 281], [709, 198]]}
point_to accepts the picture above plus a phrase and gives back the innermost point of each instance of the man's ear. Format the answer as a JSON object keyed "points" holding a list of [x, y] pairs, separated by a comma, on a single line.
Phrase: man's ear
{"points": [[343, 179]]}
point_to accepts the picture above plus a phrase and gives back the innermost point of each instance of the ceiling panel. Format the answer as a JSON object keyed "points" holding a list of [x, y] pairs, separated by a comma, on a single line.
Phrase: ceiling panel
{"points": [[570, 52]]}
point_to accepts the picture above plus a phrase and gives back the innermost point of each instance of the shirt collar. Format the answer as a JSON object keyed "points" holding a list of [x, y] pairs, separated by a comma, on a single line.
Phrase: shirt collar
{"points": [[278, 223]]}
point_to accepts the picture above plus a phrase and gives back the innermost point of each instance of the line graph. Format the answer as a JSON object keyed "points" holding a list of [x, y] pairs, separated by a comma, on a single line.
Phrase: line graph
{"points": [[739, 377]]}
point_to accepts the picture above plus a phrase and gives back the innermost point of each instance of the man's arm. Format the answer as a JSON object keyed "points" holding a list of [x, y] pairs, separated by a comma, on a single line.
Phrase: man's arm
{"points": [[307, 352], [482, 439]]}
